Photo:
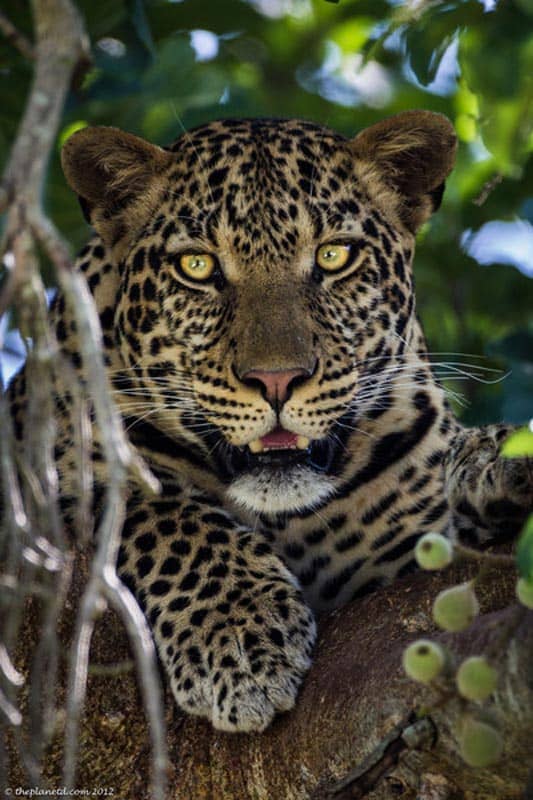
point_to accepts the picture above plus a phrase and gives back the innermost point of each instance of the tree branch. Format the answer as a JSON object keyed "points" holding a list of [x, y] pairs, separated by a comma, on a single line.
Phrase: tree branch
{"points": [[60, 46], [349, 731]]}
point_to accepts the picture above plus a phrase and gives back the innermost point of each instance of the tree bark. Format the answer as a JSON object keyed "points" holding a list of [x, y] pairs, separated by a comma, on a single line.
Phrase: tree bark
{"points": [[354, 731]]}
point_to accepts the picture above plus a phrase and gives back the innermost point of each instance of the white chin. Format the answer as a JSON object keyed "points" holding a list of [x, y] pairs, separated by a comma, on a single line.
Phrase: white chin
{"points": [[273, 491]]}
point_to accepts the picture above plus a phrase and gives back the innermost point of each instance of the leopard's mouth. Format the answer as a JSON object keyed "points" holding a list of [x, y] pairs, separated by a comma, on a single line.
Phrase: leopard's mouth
{"points": [[278, 451]]}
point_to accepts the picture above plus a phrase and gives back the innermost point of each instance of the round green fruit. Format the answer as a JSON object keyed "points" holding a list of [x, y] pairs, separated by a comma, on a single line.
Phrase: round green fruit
{"points": [[455, 608], [476, 679], [423, 660], [433, 551], [480, 744], [524, 592]]}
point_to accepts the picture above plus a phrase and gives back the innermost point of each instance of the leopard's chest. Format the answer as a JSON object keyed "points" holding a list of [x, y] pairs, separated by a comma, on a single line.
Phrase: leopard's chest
{"points": [[365, 538]]}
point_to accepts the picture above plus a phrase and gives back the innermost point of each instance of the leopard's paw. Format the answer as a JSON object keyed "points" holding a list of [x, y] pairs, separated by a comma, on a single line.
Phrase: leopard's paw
{"points": [[490, 495], [241, 663], [512, 501]]}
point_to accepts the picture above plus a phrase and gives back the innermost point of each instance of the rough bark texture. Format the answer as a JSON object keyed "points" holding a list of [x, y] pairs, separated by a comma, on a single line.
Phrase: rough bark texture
{"points": [[348, 720]]}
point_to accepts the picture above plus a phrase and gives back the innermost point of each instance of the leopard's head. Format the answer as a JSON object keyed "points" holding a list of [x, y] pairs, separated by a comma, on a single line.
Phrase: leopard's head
{"points": [[264, 273]]}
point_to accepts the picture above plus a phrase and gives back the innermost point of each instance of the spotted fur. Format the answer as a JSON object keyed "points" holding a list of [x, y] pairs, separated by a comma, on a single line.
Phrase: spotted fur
{"points": [[232, 559]]}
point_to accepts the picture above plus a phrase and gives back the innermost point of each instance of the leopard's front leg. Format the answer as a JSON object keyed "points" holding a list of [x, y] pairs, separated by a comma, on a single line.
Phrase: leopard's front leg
{"points": [[228, 618], [490, 496]]}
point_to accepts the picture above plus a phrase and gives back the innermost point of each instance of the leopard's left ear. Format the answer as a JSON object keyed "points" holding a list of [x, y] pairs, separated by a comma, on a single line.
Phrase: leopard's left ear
{"points": [[412, 153]]}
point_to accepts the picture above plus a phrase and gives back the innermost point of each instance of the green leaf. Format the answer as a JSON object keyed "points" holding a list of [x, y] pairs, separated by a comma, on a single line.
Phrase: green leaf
{"points": [[519, 444], [524, 551], [352, 34]]}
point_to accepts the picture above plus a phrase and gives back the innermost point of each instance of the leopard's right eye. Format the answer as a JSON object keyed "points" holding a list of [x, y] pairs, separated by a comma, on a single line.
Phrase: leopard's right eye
{"points": [[197, 266]]}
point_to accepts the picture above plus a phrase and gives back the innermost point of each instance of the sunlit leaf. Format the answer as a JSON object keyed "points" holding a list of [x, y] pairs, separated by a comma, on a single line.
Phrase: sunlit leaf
{"points": [[67, 132], [352, 34], [519, 444]]}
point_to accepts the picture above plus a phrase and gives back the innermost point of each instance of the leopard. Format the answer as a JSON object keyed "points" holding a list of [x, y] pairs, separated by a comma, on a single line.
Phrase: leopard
{"points": [[254, 285]]}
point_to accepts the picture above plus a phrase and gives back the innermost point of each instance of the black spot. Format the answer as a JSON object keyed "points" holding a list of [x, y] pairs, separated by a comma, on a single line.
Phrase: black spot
{"points": [[435, 513], [198, 616], [133, 522], [181, 547], [159, 587], [435, 459], [179, 603], [195, 657], [316, 536], [189, 528], [370, 228], [250, 640], [167, 527], [380, 508], [170, 566], [218, 176], [203, 556], [335, 523], [144, 566], [138, 260], [276, 636], [220, 520], [146, 542], [349, 541], [154, 615], [189, 581], [399, 550], [211, 589], [294, 550], [217, 537]]}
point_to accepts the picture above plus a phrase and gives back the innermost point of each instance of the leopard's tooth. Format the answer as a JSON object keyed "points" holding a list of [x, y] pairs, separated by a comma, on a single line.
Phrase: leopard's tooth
{"points": [[256, 446], [302, 442]]}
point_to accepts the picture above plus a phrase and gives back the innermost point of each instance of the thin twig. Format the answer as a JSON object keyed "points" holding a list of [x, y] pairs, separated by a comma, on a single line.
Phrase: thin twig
{"points": [[16, 38], [487, 189], [409, 735], [481, 556], [111, 670]]}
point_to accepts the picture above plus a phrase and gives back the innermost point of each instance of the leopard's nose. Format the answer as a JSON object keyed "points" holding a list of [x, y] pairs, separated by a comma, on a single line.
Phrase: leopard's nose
{"points": [[276, 385]]}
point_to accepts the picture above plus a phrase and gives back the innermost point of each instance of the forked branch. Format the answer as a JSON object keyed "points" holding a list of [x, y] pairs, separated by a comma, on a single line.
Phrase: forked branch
{"points": [[60, 46]]}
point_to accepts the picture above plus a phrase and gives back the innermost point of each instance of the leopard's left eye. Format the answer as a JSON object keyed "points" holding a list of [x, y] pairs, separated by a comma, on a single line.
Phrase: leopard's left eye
{"points": [[198, 266], [333, 257]]}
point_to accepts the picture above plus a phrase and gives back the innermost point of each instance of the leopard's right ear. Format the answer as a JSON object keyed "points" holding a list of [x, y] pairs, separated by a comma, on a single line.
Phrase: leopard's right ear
{"points": [[118, 178]]}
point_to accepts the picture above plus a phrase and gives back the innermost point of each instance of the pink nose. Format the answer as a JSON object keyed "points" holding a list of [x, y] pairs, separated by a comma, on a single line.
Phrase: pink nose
{"points": [[277, 383]]}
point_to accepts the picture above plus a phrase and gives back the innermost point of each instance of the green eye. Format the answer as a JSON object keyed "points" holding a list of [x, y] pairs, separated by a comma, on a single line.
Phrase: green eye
{"points": [[198, 266], [333, 257]]}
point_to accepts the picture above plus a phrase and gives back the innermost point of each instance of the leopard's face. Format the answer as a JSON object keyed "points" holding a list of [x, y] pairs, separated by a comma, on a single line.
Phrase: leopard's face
{"points": [[257, 302], [265, 296]]}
